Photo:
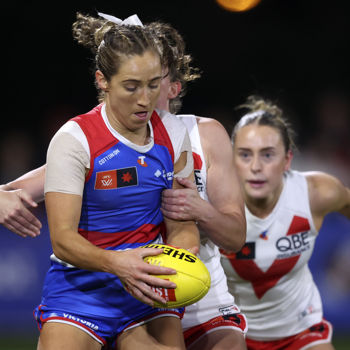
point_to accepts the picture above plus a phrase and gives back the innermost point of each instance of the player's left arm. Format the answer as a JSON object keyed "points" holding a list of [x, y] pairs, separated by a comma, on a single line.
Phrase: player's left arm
{"points": [[182, 233], [223, 216], [327, 194]]}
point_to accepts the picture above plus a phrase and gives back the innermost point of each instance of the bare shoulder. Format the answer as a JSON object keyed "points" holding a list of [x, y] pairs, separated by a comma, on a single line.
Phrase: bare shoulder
{"points": [[209, 125], [215, 141], [326, 192], [212, 131], [319, 181]]}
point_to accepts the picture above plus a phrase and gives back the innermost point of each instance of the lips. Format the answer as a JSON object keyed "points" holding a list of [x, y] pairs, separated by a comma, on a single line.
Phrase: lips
{"points": [[256, 183], [142, 115]]}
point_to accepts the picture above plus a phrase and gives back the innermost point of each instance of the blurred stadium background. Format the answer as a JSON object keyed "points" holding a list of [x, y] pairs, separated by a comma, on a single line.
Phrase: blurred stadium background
{"points": [[294, 52]]}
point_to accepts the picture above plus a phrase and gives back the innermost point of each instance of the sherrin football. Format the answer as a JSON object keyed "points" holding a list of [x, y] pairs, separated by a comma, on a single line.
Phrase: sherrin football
{"points": [[192, 278]]}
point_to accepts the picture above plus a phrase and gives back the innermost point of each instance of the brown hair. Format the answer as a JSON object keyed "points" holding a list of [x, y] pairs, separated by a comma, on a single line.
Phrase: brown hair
{"points": [[172, 47], [111, 42], [264, 112]]}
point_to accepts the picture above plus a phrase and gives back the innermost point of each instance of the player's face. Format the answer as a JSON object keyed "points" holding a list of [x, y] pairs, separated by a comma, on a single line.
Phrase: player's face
{"points": [[132, 93], [261, 161]]}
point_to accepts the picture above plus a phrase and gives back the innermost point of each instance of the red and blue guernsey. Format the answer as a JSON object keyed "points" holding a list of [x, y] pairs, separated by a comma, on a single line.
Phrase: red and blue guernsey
{"points": [[120, 210]]}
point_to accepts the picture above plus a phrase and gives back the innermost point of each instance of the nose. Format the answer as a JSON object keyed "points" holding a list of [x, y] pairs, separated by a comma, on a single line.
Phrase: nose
{"points": [[144, 97], [255, 165]]}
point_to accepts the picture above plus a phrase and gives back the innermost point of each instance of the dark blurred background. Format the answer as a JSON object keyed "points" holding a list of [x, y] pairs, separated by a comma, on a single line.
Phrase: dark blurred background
{"points": [[294, 52]]}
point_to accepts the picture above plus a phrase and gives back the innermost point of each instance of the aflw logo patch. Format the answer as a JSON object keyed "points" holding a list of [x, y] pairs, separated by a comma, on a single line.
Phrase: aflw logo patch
{"points": [[111, 179]]}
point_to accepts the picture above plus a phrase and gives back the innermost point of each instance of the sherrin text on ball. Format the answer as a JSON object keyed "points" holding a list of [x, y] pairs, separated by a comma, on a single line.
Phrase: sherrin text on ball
{"points": [[192, 277]]}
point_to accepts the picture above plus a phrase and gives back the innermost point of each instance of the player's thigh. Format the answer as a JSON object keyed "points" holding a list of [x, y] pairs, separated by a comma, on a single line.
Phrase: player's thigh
{"points": [[326, 346], [57, 336], [220, 339], [164, 333]]}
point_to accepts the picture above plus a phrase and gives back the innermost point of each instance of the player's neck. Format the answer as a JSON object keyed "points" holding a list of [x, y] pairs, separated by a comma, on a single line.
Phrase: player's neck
{"points": [[262, 207]]}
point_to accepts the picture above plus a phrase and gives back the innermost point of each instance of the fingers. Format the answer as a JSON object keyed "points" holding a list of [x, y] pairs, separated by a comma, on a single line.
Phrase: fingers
{"points": [[27, 198], [176, 213], [16, 217], [145, 288], [194, 250], [187, 183], [23, 223], [145, 293]]}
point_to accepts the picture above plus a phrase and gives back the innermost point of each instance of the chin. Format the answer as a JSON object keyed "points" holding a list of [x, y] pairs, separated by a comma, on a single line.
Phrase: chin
{"points": [[257, 193]]}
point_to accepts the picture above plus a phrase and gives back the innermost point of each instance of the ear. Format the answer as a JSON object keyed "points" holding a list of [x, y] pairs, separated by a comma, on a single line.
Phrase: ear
{"points": [[174, 89], [101, 80], [289, 157]]}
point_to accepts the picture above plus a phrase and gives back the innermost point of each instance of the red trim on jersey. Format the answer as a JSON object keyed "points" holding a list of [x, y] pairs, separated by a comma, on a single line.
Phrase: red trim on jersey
{"points": [[236, 322], [143, 234], [98, 135], [43, 320], [298, 224], [319, 333], [157, 314], [263, 281], [68, 320], [161, 136], [197, 161]]}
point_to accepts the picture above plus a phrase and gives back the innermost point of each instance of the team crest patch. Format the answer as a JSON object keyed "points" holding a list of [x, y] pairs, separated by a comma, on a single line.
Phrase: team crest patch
{"points": [[111, 179]]}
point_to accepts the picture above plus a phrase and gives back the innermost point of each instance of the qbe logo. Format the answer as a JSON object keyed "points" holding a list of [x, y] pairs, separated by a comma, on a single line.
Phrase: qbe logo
{"points": [[293, 244]]}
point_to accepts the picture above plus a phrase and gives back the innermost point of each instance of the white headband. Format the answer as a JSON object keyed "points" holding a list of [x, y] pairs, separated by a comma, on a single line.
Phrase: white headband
{"points": [[132, 20]]}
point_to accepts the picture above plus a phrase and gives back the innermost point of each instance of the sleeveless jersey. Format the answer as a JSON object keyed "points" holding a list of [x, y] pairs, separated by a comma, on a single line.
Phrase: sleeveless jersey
{"points": [[270, 277], [218, 301], [120, 210]]}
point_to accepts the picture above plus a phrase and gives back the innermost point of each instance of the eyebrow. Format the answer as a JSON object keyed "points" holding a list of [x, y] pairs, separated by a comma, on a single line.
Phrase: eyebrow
{"points": [[271, 148], [138, 81]]}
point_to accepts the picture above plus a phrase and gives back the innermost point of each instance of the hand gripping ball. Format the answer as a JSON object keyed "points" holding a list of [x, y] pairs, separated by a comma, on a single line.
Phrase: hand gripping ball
{"points": [[192, 278]]}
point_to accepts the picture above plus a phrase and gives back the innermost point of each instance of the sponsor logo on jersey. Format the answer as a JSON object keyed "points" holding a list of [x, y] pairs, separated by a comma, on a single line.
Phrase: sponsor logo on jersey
{"points": [[166, 175], [291, 245], [309, 310], [80, 320], [141, 161], [108, 156], [199, 181], [229, 310], [197, 165], [112, 179], [263, 235]]}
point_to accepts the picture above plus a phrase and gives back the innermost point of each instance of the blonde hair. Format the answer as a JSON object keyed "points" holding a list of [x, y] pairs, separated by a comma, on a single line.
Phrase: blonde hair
{"points": [[264, 112]]}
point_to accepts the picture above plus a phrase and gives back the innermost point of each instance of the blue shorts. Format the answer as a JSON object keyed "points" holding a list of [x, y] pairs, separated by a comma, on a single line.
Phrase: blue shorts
{"points": [[105, 330], [96, 302]]}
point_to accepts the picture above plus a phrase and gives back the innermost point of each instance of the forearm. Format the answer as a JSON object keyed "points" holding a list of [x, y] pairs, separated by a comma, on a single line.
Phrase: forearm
{"points": [[183, 234], [74, 249], [32, 182], [228, 231]]}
